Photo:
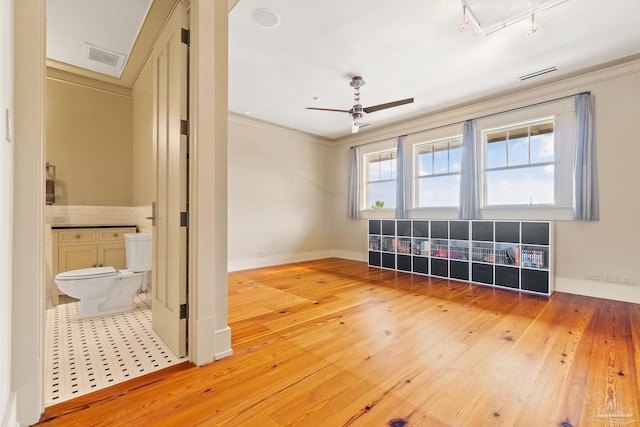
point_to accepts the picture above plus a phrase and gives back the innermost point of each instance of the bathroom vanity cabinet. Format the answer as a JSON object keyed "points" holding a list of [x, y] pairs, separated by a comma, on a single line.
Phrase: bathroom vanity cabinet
{"points": [[86, 247]]}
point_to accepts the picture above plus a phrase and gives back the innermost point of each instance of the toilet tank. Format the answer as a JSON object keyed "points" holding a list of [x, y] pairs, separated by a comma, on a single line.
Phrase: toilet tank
{"points": [[138, 249]]}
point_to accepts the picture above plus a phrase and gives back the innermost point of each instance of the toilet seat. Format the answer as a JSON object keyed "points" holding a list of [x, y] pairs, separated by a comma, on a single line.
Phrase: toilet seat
{"points": [[87, 273]]}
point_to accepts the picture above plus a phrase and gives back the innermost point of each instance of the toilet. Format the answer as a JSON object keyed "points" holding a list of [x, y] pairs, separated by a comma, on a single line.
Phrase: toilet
{"points": [[105, 290]]}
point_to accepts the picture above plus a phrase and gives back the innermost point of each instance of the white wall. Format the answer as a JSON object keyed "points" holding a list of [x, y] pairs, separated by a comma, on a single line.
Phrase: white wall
{"points": [[348, 236], [6, 209], [606, 247], [278, 189]]}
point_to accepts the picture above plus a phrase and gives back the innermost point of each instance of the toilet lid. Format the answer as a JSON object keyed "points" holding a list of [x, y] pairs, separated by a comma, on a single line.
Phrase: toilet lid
{"points": [[87, 273]]}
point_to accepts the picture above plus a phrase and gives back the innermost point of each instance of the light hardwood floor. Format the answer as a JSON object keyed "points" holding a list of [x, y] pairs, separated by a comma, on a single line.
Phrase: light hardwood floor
{"points": [[336, 343]]}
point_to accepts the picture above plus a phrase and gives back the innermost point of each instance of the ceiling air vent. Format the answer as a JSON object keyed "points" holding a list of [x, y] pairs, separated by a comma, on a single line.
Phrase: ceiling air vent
{"points": [[103, 56], [538, 73]]}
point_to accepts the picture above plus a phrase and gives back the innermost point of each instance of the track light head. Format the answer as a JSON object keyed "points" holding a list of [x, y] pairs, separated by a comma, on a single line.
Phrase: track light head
{"points": [[533, 29], [463, 26]]}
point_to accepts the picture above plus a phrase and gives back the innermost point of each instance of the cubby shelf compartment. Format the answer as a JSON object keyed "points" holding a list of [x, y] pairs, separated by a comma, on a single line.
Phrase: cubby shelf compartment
{"points": [[506, 254]]}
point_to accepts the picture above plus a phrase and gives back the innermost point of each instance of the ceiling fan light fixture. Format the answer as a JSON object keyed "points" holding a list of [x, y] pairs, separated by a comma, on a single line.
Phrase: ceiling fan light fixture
{"points": [[357, 115], [357, 124]]}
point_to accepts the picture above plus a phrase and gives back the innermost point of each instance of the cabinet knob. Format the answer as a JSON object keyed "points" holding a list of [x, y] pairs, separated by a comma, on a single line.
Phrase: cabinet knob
{"points": [[77, 236], [115, 234]]}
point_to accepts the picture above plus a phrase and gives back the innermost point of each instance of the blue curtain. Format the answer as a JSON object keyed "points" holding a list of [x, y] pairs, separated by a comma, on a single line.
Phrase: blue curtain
{"points": [[353, 196], [469, 187], [401, 200], [585, 176]]}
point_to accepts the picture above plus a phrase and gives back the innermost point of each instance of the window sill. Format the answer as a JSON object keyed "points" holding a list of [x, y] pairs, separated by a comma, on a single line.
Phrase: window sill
{"points": [[542, 213], [433, 213], [533, 213]]}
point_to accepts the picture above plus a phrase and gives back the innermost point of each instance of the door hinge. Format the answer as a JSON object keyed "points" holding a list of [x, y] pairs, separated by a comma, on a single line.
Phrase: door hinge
{"points": [[184, 311], [184, 127], [185, 36], [184, 219]]}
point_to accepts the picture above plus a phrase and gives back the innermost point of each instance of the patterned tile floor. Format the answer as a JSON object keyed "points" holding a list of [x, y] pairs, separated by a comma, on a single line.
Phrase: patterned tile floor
{"points": [[85, 355]]}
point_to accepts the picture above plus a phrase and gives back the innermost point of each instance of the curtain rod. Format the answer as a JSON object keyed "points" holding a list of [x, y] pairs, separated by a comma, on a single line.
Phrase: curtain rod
{"points": [[479, 117]]}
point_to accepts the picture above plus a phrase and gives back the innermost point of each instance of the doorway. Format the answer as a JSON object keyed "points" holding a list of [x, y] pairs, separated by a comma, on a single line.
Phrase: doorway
{"points": [[83, 355], [210, 337]]}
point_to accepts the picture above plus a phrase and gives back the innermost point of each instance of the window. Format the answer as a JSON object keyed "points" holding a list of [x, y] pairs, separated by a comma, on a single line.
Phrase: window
{"points": [[526, 162], [381, 179], [437, 173], [523, 167], [520, 165]]}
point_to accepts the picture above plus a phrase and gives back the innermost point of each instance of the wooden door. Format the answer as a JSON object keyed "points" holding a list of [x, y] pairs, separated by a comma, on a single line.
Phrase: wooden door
{"points": [[169, 287]]}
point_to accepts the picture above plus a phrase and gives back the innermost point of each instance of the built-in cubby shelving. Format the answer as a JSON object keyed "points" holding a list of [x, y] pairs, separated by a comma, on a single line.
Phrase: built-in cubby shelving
{"points": [[506, 254]]}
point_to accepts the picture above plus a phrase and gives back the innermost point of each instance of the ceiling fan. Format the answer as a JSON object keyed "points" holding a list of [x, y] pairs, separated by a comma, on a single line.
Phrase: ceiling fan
{"points": [[357, 112]]}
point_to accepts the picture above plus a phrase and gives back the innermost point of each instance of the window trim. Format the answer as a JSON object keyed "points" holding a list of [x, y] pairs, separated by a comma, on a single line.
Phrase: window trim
{"points": [[415, 172], [366, 210], [563, 114], [483, 170], [437, 134]]}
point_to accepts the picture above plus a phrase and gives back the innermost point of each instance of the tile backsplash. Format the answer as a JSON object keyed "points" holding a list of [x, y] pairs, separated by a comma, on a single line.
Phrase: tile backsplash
{"points": [[98, 215]]}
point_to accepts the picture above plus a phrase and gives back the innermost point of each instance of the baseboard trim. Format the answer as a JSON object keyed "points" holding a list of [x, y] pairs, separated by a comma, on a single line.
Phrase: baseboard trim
{"points": [[269, 261], [351, 255], [606, 290], [223, 343]]}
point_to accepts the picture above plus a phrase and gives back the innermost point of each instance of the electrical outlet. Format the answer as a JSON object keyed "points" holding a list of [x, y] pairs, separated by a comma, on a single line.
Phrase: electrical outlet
{"points": [[262, 254], [628, 280], [610, 278], [593, 276]]}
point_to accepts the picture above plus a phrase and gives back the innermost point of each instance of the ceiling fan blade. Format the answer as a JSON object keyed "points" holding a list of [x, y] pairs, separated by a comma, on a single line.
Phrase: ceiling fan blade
{"points": [[387, 105], [327, 109]]}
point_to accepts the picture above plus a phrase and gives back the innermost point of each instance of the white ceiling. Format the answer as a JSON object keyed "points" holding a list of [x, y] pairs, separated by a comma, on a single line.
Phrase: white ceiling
{"points": [[403, 49], [408, 48], [110, 25]]}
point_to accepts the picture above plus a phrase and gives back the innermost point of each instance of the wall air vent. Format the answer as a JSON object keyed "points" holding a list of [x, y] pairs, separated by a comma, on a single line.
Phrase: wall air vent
{"points": [[104, 56], [538, 73]]}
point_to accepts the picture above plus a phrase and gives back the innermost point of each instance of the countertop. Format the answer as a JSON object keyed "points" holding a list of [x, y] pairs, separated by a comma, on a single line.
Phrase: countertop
{"points": [[65, 226]]}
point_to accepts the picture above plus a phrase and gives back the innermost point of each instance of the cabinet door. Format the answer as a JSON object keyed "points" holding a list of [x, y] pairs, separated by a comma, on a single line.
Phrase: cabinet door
{"points": [[76, 257], [112, 255]]}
